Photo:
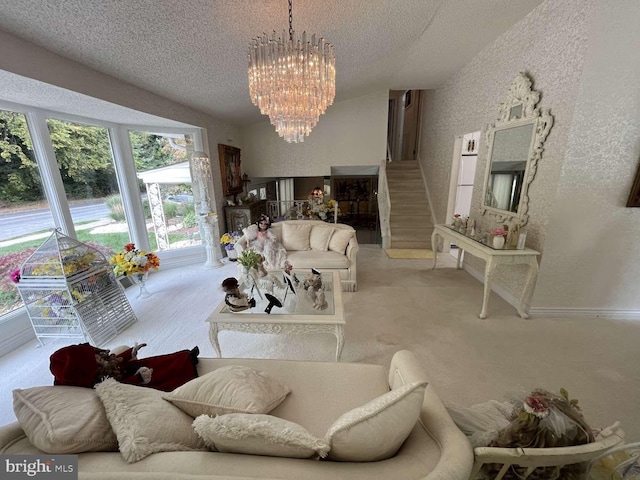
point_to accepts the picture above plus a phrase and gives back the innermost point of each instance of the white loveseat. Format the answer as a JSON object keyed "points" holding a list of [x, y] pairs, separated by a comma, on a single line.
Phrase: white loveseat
{"points": [[320, 392], [317, 244]]}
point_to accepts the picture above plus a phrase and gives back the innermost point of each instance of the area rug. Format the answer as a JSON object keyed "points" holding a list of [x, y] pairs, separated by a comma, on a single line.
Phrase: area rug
{"points": [[408, 253]]}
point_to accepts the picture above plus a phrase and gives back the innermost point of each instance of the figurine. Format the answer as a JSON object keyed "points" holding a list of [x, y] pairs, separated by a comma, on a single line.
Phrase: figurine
{"points": [[313, 285], [236, 300]]}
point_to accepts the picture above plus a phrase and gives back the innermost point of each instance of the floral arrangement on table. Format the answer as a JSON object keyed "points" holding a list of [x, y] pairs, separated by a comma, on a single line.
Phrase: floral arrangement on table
{"points": [[229, 240], [499, 232], [132, 261], [322, 209], [249, 258]]}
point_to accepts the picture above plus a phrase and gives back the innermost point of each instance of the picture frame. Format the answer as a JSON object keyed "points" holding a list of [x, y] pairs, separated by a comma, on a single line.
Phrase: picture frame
{"points": [[230, 171]]}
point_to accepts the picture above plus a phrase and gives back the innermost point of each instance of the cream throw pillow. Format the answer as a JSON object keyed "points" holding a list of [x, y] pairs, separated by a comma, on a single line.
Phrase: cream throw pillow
{"points": [[230, 389], [64, 420], [145, 423], [377, 429], [295, 236], [258, 435], [320, 236], [340, 240]]}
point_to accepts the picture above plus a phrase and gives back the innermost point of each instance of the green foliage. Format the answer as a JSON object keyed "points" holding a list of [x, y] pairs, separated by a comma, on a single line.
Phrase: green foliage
{"points": [[249, 258], [114, 202], [190, 220], [170, 209]]}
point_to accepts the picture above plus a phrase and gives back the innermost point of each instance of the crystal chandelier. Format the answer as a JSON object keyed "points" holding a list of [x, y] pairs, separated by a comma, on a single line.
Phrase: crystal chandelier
{"points": [[292, 80]]}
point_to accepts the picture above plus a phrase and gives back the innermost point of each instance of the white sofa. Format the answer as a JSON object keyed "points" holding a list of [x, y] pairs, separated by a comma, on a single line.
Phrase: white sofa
{"points": [[317, 244], [320, 392]]}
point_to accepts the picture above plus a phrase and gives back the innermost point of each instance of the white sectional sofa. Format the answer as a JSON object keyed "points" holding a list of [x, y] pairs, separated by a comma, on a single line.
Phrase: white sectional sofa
{"points": [[320, 392], [317, 244]]}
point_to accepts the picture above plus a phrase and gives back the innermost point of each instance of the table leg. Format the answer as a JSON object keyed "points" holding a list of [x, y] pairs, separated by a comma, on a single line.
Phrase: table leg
{"points": [[488, 270], [459, 257], [213, 337], [528, 287], [340, 340], [434, 247]]}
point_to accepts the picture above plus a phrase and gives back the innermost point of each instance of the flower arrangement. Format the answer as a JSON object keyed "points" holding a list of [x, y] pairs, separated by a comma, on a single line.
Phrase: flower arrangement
{"points": [[229, 240], [132, 261], [322, 209], [499, 232], [249, 258]]}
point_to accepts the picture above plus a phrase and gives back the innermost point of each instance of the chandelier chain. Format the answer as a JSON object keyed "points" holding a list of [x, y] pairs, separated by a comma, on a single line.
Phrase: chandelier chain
{"points": [[290, 20]]}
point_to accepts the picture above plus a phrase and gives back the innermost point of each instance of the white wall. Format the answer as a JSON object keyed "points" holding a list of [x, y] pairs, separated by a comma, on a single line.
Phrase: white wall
{"points": [[579, 54], [351, 132]]}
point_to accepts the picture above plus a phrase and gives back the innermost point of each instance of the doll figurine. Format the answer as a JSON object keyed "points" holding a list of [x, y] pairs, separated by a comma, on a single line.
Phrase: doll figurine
{"points": [[236, 300]]}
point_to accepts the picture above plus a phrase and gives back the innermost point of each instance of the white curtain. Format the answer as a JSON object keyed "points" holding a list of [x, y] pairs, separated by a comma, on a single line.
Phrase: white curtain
{"points": [[502, 186]]}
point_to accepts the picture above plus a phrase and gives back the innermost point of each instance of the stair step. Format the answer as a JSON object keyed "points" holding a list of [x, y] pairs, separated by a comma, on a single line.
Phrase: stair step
{"points": [[411, 244], [402, 164], [409, 224], [402, 196], [404, 181]]}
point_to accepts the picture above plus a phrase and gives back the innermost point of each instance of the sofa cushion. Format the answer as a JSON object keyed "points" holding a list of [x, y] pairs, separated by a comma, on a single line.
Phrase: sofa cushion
{"points": [[64, 420], [320, 236], [340, 240], [377, 429], [317, 259], [145, 423], [230, 389], [295, 236], [258, 435]]}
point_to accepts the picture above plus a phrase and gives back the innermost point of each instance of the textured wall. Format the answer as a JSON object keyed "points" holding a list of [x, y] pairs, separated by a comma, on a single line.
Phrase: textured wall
{"points": [[580, 56], [352, 132]]}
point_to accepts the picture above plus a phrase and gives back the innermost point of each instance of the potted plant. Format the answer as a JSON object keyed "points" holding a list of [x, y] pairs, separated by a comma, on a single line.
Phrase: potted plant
{"points": [[229, 240], [249, 259]]}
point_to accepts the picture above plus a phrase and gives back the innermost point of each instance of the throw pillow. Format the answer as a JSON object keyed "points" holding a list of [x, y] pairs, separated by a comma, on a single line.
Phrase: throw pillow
{"points": [[230, 389], [258, 435], [340, 240], [377, 429], [145, 423], [319, 238], [295, 236], [64, 420]]}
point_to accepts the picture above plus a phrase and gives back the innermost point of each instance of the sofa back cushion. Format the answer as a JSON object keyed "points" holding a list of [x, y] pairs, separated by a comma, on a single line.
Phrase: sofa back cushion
{"points": [[295, 236], [340, 239], [320, 236]]}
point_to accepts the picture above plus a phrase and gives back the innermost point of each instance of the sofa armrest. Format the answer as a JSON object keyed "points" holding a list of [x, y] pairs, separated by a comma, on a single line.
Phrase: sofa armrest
{"points": [[241, 244], [352, 249], [456, 453]]}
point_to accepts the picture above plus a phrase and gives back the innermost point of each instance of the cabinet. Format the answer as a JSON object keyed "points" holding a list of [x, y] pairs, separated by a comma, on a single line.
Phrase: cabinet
{"points": [[241, 216]]}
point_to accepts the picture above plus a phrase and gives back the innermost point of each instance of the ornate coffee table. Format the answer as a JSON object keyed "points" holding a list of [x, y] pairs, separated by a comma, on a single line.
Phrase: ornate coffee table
{"points": [[297, 315]]}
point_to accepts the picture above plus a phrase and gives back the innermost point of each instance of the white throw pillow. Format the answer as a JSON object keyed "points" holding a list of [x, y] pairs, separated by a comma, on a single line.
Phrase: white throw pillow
{"points": [[340, 240], [296, 236], [258, 435], [230, 389], [377, 429], [145, 423], [320, 236], [64, 420]]}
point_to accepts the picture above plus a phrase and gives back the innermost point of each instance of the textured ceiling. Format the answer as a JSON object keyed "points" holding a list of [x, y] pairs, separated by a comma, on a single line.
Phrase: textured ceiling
{"points": [[194, 51]]}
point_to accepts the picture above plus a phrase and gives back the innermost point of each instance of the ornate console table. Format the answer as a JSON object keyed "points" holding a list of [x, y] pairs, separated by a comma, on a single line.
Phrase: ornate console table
{"points": [[493, 258]]}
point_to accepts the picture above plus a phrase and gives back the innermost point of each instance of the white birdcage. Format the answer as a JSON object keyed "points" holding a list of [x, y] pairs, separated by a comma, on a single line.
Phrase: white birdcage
{"points": [[69, 290]]}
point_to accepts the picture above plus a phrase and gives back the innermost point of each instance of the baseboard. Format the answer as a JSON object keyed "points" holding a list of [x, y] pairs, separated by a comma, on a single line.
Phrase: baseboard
{"points": [[585, 313], [511, 299]]}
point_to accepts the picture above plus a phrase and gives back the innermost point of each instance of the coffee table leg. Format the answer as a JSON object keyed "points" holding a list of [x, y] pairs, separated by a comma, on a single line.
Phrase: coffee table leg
{"points": [[340, 337], [213, 338]]}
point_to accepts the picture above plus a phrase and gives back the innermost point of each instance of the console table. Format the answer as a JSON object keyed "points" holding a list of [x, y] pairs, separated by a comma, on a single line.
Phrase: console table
{"points": [[492, 258]]}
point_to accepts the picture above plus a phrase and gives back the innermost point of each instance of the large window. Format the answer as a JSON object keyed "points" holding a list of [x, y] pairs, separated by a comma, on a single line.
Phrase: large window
{"points": [[25, 217], [86, 178]]}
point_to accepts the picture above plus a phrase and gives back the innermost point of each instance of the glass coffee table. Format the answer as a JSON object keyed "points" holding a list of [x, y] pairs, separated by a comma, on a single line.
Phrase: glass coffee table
{"points": [[296, 315]]}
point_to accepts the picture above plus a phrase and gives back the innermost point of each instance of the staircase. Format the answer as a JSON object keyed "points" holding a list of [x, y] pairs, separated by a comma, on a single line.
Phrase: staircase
{"points": [[410, 220]]}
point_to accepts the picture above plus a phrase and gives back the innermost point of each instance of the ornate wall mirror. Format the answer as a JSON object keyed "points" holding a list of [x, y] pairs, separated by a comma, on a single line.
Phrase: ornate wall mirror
{"points": [[515, 143]]}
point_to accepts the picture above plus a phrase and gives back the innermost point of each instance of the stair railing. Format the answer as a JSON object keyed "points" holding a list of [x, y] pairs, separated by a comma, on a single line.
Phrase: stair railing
{"points": [[384, 205]]}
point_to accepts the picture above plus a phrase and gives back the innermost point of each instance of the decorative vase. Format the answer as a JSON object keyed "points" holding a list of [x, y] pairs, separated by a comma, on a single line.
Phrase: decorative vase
{"points": [[140, 279], [498, 242], [232, 254]]}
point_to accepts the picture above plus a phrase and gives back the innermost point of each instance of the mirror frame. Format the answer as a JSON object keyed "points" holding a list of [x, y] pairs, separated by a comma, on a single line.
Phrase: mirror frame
{"points": [[523, 100]]}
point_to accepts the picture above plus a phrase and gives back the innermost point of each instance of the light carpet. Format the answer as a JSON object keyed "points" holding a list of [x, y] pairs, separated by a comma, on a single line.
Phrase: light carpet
{"points": [[398, 305], [408, 253]]}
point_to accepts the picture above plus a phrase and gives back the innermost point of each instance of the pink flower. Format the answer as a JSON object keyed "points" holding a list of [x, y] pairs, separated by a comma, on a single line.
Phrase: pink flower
{"points": [[498, 232], [536, 405], [15, 276]]}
